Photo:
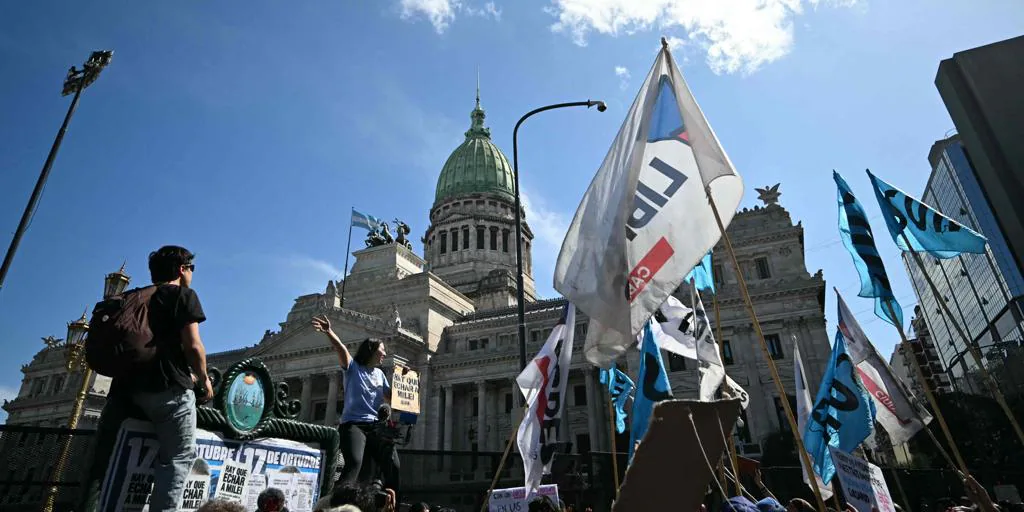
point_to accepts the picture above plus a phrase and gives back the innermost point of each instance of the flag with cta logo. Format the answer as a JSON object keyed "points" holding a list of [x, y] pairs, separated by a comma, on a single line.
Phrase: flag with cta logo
{"points": [[362, 220], [620, 387], [855, 231], [926, 229], [543, 383], [645, 221], [899, 411], [803, 412]]}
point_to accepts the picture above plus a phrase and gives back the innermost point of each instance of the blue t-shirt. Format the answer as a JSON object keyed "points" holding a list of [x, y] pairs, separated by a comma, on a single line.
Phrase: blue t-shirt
{"points": [[365, 389]]}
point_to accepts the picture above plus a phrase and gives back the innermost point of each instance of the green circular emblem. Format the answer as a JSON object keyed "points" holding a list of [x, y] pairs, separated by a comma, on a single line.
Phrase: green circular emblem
{"points": [[245, 401]]}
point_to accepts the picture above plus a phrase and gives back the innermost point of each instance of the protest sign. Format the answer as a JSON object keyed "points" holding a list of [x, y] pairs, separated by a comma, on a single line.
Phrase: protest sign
{"points": [[514, 499], [129, 478], [863, 484], [197, 487], [405, 390]]}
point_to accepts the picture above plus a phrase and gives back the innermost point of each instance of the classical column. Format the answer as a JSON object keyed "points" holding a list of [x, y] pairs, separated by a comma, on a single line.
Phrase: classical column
{"points": [[481, 417], [307, 396], [592, 398], [448, 419], [496, 410], [331, 418]]}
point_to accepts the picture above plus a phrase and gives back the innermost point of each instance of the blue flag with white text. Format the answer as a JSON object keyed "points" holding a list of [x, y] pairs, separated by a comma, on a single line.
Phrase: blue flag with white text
{"points": [[702, 275], [654, 386], [619, 388], [855, 231], [925, 228], [843, 413], [362, 220]]}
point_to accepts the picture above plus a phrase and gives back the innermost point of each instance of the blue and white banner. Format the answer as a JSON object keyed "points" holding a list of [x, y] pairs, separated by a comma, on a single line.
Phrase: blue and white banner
{"points": [[255, 465], [654, 386], [855, 231], [362, 220], [925, 228], [843, 413], [645, 221], [620, 387]]}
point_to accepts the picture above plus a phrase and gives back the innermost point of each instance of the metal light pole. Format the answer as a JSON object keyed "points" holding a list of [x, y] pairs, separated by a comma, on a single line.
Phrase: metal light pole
{"points": [[113, 284], [75, 82], [601, 107]]}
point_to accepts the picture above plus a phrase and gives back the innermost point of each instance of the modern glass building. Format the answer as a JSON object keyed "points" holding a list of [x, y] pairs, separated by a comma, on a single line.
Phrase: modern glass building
{"points": [[982, 291]]}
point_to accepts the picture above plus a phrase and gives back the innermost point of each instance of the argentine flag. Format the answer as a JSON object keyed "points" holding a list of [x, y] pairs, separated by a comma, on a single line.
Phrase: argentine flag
{"points": [[362, 220]]}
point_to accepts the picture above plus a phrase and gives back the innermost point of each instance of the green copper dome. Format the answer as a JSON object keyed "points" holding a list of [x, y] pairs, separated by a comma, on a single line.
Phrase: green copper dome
{"points": [[477, 166]]}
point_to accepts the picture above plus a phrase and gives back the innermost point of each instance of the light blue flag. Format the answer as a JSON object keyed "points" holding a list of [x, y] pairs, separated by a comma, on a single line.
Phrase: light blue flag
{"points": [[843, 413], [927, 229], [702, 275], [855, 231], [362, 220], [619, 388], [654, 387]]}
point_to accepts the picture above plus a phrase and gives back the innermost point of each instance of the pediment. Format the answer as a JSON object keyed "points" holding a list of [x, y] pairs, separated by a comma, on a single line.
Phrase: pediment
{"points": [[303, 337]]}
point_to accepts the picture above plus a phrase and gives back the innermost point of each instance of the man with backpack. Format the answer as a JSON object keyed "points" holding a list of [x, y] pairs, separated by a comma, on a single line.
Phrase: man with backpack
{"points": [[148, 341]]}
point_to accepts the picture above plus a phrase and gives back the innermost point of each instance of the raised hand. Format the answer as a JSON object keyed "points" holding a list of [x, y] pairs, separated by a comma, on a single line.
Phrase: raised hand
{"points": [[322, 324]]}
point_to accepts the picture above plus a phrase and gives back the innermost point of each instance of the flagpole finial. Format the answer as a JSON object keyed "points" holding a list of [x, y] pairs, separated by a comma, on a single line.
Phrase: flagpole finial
{"points": [[664, 43], [478, 87]]}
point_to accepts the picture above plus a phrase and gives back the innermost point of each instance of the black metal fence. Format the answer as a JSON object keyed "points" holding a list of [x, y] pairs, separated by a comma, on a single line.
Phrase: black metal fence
{"points": [[455, 479]]}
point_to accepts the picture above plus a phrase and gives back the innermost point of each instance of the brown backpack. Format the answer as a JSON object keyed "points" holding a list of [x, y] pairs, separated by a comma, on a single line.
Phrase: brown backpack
{"points": [[119, 339]]}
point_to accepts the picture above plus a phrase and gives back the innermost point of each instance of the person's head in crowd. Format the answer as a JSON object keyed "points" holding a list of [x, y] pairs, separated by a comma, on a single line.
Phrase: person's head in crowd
{"points": [[770, 505], [271, 500], [370, 353], [739, 504], [799, 505], [169, 263], [216, 505], [353, 494], [419, 507], [324, 506], [542, 504]]}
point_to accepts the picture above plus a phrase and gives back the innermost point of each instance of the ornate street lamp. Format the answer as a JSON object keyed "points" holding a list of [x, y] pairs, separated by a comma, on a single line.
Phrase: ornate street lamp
{"points": [[75, 82], [601, 107], [113, 284]]}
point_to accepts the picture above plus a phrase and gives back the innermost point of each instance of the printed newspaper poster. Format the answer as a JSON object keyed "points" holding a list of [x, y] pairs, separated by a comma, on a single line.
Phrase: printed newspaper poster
{"points": [[235, 470], [863, 484]]}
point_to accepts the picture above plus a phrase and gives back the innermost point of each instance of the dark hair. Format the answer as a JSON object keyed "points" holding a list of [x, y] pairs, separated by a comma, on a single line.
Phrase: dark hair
{"points": [[419, 507], [217, 505], [542, 504], [353, 494], [271, 495], [366, 350], [165, 263]]}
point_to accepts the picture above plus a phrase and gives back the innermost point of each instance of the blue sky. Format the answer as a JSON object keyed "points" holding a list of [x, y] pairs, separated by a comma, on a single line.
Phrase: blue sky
{"points": [[246, 130]]}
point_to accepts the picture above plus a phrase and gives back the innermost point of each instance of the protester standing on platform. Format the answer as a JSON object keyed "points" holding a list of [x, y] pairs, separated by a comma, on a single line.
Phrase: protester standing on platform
{"points": [[366, 391], [162, 388]]}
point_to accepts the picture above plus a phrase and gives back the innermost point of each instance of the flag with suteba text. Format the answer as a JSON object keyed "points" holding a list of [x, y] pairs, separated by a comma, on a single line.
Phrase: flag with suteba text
{"points": [[543, 384], [653, 386], [855, 231], [646, 220], [926, 229], [843, 413]]}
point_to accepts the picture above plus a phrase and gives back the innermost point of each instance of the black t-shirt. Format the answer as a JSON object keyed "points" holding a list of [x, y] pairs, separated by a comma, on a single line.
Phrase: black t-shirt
{"points": [[171, 309]]}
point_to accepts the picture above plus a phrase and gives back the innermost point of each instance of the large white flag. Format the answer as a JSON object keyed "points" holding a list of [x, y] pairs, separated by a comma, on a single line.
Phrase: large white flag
{"points": [[803, 412], [543, 383], [687, 332], [645, 220], [898, 411]]}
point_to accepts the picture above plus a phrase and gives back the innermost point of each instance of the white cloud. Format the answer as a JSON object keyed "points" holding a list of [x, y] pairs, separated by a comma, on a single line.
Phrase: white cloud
{"points": [[548, 226], [441, 13], [623, 74], [737, 36], [6, 393]]}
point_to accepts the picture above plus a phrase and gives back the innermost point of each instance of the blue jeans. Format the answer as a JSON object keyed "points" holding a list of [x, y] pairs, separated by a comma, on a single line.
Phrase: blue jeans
{"points": [[173, 414]]}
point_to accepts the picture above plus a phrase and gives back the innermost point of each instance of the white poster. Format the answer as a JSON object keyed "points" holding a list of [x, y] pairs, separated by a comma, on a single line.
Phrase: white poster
{"points": [[233, 477], [863, 484], [197, 487], [514, 499]]}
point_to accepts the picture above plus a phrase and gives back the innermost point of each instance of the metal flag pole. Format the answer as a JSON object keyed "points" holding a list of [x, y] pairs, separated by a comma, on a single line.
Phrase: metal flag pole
{"points": [[986, 376], [730, 441], [797, 440], [905, 343], [348, 251]]}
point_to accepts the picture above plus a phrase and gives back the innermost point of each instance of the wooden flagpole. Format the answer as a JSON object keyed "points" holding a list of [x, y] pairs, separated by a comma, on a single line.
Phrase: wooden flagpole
{"points": [[798, 441], [615, 457], [986, 376], [730, 441], [501, 464], [905, 343]]}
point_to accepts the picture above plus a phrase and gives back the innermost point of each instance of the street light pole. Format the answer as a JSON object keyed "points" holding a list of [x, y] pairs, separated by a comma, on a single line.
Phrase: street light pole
{"points": [[76, 82], [520, 298]]}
